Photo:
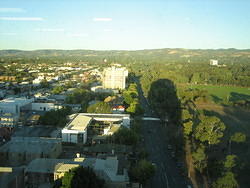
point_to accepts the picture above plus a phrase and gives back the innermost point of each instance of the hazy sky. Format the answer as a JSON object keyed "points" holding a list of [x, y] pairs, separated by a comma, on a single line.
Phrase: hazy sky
{"points": [[124, 24]]}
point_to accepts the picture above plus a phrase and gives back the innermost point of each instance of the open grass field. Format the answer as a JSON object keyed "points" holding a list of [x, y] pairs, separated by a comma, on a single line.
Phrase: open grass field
{"points": [[236, 119], [225, 93]]}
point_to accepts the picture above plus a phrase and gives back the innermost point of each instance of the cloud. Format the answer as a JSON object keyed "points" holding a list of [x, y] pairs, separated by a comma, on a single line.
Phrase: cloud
{"points": [[21, 18], [14, 10], [77, 35], [102, 19], [49, 29], [9, 34]]}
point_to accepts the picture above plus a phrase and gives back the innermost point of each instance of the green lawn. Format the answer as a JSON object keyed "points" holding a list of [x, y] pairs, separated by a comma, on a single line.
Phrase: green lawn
{"points": [[225, 93]]}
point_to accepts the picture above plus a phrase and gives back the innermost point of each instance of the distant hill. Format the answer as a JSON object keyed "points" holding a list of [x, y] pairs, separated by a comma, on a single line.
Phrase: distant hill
{"points": [[167, 55], [166, 52]]}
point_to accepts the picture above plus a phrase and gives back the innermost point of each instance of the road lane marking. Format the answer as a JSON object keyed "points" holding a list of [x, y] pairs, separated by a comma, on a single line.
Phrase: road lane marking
{"points": [[166, 178]]}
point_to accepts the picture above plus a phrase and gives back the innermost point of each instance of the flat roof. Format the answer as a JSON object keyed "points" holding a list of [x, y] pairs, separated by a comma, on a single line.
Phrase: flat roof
{"points": [[30, 145], [80, 122], [46, 165]]}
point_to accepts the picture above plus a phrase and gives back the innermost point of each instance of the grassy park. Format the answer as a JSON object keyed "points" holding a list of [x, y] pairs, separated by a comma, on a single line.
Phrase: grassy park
{"points": [[221, 94]]}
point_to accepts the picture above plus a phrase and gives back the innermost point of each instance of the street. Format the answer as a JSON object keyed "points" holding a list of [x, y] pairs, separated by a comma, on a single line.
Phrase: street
{"points": [[167, 174]]}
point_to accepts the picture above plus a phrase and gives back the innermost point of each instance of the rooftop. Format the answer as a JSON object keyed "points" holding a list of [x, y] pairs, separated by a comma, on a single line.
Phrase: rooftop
{"points": [[80, 122], [14, 100], [30, 145], [46, 165]]}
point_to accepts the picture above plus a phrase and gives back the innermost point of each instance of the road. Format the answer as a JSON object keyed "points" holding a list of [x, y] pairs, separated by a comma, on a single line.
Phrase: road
{"points": [[167, 174]]}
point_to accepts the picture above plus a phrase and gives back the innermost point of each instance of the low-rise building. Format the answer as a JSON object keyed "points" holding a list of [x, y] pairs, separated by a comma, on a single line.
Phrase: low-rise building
{"points": [[44, 106], [7, 78], [13, 105], [76, 130], [8, 120], [22, 150], [46, 171]]}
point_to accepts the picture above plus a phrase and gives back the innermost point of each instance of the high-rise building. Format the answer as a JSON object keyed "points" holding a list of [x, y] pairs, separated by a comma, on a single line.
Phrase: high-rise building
{"points": [[115, 77]]}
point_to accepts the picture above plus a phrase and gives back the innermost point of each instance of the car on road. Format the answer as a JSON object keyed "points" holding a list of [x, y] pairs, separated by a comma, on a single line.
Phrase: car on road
{"points": [[173, 154], [154, 165], [169, 147]]}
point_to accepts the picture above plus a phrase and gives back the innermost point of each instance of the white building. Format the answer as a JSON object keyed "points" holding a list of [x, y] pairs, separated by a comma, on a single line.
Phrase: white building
{"points": [[76, 130], [36, 106], [115, 77], [213, 62], [13, 105], [38, 80]]}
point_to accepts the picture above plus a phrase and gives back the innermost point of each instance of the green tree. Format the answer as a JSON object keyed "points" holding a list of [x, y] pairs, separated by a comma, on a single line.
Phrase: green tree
{"points": [[55, 117], [230, 162], [238, 137], [195, 78], [185, 115], [143, 171], [135, 108], [187, 128], [99, 107], [226, 181], [80, 96], [125, 136], [44, 83], [81, 177], [209, 130], [57, 90], [200, 158]]}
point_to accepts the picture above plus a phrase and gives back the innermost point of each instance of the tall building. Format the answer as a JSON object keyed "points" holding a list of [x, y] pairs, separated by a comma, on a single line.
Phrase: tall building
{"points": [[115, 77]]}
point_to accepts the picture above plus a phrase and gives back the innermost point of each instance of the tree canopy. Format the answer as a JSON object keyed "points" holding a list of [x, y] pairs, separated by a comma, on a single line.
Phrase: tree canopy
{"points": [[81, 177], [143, 171], [209, 130], [99, 107], [226, 181]]}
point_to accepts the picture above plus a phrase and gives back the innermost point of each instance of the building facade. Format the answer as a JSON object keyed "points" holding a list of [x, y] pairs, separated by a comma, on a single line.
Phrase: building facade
{"points": [[76, 130], [13, 105], [115, 77]]}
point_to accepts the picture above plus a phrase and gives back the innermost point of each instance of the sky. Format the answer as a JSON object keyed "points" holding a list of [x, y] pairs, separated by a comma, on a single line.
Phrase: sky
{"points": [[124, 24]]}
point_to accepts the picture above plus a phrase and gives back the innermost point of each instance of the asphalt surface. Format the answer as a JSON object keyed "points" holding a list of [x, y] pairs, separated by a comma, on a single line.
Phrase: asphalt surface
{"points": [[167, 173]]}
